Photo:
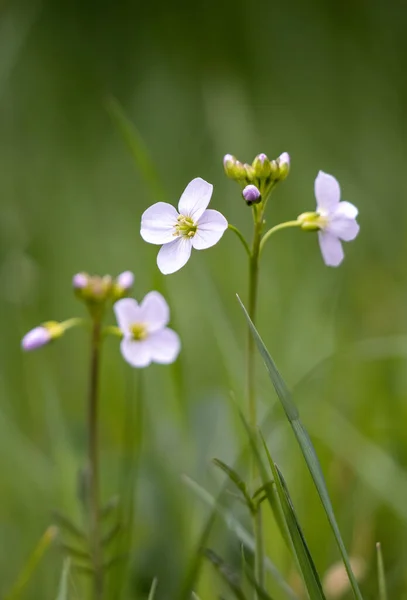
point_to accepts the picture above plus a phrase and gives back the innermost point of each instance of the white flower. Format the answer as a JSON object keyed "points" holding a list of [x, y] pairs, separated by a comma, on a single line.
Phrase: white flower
{"points": [[146, 338], [37, 337], [192, 227], [336, 220]]}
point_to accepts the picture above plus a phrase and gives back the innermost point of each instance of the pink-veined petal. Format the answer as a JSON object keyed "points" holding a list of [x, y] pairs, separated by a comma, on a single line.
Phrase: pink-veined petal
{"points": [[164, 346], [175, 255], [331, 249], [158, 223], [155, 312], [127, 312], [211, 227], [195, 198], [327, 192], [136, 353]]}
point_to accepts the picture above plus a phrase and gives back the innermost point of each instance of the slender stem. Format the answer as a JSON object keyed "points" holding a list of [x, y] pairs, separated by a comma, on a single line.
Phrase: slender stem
{"points": [[251, 385], [277, 228], [240, 236], [93, 450]]}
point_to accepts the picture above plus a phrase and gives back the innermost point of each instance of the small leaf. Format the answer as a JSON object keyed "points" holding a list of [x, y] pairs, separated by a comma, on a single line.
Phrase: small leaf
{"points": [[237, 480], [227, 573], [75, 552], [111, 535], [66, 525], [110, 506], [306, 446], [380, 573]]}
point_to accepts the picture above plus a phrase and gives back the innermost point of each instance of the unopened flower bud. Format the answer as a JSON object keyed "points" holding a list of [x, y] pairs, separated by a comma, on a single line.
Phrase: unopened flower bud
{"points": [[261, 166], [40, 336], [122, 285], [251, 194], [233, 168], [249, 172], [80, 281], [283, 162]]}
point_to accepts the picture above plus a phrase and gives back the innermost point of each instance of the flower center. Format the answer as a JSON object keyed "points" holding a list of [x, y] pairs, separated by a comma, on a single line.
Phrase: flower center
{"points": [[185, 226], [138, 331]]}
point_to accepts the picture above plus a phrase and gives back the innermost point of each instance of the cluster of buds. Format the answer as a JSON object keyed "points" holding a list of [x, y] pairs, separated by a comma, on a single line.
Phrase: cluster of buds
{"points": [[96, 290], [259, 178]]}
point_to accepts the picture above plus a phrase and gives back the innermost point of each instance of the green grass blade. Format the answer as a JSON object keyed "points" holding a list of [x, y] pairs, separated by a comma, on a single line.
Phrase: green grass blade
{"points": [[32, 563], [63, 590], [236, 479], [153, 588], [242, 534], [380, 574], [306, 446], [137, 147]]}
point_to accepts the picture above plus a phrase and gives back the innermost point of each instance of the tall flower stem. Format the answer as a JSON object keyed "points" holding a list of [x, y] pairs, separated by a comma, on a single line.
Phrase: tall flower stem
{"points": [[93, 454], [251, 383]]}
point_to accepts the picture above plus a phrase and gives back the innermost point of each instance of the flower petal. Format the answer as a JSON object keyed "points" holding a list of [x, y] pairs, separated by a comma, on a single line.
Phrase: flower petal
{"points": [[157, 223], [211, 227], [327, 192], [175, 255], [331, 248], [155, 312], [343, 228], [164, 346], [346, 209], [136, 353], [127, 313], [195, 198]]}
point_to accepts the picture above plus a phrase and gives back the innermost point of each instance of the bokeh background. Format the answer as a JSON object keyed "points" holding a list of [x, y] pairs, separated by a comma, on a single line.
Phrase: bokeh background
{"points": [[322, 80]]}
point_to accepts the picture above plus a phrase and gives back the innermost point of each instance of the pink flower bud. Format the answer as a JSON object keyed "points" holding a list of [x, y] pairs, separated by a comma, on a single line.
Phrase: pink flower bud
{"points": [[125, 280], [80, 281], [251, 194], [37, 337]]}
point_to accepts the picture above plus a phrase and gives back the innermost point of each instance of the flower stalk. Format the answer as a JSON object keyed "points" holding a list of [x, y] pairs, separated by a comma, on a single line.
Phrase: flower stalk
{"points": [[93, 457]]}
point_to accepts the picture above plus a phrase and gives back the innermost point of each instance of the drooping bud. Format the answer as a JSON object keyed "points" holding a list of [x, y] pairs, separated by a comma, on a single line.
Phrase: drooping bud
{"points": [[283, 162], [40, 336], [251, 194], [122, 285], [36, 338], [261, 166]]}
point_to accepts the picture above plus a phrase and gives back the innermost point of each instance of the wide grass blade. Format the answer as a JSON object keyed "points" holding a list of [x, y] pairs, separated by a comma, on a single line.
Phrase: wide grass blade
{"points": [[306, 446], [380, 573], [241, 533]]}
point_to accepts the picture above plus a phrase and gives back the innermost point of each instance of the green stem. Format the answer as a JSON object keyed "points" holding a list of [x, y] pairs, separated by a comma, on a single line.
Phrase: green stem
{"points": [[241, 238], [277, 228], [251, 386], [93, 450]]}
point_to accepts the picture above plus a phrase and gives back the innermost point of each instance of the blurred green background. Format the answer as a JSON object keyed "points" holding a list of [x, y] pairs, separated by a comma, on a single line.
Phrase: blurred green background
{"points": [[322, 80]]}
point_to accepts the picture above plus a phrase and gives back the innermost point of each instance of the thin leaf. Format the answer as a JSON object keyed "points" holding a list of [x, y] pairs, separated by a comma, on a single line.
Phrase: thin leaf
{"points": [[241, 533], [380, 573], [63, 589], [66, 525], [136, 146], [32, 563], [153, 588], [237, 480], [226, 572], [306, 446]]}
